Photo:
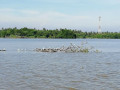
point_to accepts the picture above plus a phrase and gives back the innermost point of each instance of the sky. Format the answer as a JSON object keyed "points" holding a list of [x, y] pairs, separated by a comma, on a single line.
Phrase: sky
{"points": [[51, 14]]}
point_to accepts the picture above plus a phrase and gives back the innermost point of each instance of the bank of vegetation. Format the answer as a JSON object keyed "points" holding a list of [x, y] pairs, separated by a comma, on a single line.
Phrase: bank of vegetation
{"points": [[58, 33]]}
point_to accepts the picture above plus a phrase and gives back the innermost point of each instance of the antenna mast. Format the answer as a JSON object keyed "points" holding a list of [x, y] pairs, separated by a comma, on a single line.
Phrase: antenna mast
{"points": [[99, 27]]}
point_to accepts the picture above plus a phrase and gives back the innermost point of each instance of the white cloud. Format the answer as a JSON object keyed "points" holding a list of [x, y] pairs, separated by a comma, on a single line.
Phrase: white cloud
{"points": [[43, 19], [59, 1], [31, 12], [52, 19], [6, 10]]}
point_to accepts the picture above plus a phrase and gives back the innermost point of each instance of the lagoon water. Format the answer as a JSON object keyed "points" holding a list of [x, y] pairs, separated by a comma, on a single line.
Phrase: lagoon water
{"points": [[30, 70]]}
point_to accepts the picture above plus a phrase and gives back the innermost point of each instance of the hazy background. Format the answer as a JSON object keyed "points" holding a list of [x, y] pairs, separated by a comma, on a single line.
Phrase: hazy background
{"points": [[52, 14]]}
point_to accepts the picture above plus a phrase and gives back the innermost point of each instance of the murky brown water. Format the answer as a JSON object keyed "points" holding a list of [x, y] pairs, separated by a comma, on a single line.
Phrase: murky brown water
{"points": [[28, 70]]}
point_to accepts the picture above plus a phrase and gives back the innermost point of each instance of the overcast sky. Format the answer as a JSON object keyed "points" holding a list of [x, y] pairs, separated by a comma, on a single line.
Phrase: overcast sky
{"points": [[52, 14]]}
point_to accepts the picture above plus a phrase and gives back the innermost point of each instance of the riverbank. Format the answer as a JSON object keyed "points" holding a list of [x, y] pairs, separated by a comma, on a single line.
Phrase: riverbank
{"points": [[55, 34]]}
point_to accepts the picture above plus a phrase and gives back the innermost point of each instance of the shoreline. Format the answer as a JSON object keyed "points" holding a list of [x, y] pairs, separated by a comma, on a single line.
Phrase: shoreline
{"points": [[59, 38]]}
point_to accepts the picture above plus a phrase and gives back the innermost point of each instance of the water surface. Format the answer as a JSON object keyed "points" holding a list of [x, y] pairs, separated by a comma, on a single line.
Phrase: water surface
{"points": [[29, 70]]}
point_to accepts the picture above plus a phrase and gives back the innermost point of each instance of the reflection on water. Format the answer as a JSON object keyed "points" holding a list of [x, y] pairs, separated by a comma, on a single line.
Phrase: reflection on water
{"points": [[57, 71]]}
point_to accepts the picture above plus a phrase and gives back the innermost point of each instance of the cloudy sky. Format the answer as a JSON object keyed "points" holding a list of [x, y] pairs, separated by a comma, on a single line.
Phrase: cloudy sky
{"points": [[52, 14]]}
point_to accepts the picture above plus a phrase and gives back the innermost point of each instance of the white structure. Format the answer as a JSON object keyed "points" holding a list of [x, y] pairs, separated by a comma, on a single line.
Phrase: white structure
{"points": [[99, 27]]}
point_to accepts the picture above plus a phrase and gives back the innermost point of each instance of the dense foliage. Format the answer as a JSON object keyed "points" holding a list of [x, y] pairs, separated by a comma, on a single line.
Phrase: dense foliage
{"points": [[61, 33]]}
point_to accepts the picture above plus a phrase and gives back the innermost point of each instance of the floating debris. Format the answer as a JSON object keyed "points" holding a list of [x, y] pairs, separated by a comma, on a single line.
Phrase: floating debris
{"points": [[22, 49], [3, 49], [47, 50], [71, 48]]}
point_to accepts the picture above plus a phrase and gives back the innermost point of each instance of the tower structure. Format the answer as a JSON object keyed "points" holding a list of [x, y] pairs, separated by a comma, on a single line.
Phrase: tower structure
{"points": [[99, 27]]}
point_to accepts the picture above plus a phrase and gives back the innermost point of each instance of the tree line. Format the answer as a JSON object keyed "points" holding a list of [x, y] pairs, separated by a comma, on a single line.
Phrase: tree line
{"points": [[57, 33]]}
